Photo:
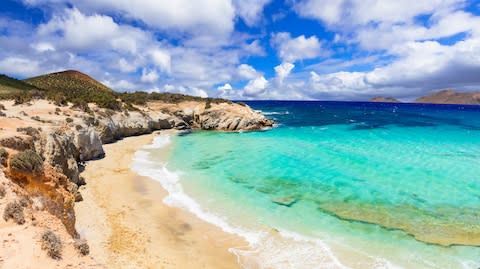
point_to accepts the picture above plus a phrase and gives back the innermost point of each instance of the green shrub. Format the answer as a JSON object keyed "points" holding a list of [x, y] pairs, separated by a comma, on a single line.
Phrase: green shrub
{"points": [[27, 161], [2, 107], [3, 156], [208, 104], [52, 244], [69, 120], [14, 210]]}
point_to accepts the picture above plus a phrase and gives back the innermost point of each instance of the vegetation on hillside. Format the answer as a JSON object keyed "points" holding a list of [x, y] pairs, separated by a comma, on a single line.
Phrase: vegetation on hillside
{"points": [[27, 161], [52, 244], [10, 85], [79, 89]]}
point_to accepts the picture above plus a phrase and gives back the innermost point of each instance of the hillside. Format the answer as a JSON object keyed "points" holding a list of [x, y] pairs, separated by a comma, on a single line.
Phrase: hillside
{"points": [[69, 80], [384, 99], [451, 97], [10, 85]]}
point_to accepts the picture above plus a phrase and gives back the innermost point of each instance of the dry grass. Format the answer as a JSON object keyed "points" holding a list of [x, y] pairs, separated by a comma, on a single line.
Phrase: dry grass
{"points": [[14, 210], [82, 247], [52, 244]]}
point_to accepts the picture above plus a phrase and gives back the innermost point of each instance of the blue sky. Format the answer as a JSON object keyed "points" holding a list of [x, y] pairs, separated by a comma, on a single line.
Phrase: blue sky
{"points": [[250, 49]]}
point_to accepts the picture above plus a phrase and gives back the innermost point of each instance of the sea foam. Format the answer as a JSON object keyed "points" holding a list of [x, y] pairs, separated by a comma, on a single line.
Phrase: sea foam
{"points": [[266, 250]]}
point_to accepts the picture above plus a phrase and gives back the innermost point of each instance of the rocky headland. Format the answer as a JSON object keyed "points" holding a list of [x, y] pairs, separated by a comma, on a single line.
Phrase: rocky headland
{"points": [[45, 140]]}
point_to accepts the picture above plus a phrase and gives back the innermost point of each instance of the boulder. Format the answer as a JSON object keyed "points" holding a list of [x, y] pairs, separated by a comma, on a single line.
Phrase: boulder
{"points": [[89, 144]]}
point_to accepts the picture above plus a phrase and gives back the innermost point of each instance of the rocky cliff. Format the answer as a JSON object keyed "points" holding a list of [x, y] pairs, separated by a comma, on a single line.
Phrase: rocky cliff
{"points": [[64, 137]]}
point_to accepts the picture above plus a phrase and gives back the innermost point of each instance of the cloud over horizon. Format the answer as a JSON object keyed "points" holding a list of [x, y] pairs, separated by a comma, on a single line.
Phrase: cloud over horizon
{"points": [[307, 49]]}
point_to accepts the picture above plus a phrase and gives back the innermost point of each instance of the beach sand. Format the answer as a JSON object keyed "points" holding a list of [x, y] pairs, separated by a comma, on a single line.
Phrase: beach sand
{"points": [[128, 226]]}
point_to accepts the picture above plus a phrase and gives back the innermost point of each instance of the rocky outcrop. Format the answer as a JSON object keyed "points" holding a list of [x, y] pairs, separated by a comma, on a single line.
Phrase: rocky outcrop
{"points": [[58, 150], [63, 144], [49, 190], [88, 143]]}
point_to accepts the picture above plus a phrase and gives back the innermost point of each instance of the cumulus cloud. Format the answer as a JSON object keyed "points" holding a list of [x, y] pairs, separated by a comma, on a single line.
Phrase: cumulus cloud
{"points": [[299, 48], [256, 87], [245, 71], [21, 66], [149, 76], [250, 10], [282, 71], [215, 16]]}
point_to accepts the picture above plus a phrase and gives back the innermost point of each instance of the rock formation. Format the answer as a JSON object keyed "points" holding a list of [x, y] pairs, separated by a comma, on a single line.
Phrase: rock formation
{"points": [[65, 140]]}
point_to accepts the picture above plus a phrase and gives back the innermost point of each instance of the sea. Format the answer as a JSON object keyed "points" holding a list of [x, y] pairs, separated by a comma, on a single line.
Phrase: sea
{"points": [[335, 184]]}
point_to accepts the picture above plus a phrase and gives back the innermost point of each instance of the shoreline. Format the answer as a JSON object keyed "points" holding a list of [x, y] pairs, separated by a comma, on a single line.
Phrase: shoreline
{"points": [[128, 225]]}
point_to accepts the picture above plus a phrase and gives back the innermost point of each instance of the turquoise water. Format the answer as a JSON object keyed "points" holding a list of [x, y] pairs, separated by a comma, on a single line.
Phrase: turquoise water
{"points": [[344, 185]]}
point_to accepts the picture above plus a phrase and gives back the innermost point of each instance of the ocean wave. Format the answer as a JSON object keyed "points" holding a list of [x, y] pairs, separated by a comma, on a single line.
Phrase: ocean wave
{"points": [[267, 249], [266, 113]]}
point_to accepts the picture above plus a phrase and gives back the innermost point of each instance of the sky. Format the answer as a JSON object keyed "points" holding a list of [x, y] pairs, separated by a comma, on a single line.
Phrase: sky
{"points": [[250, 49]]}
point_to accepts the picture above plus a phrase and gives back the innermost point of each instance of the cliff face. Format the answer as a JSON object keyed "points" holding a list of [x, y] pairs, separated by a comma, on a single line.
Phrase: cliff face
{"points": [[64, 136]]}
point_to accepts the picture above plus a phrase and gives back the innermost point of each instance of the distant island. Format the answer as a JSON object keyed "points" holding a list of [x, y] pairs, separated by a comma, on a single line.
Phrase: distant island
{"points": [[380, 99], [448, 96], [451, 96]]}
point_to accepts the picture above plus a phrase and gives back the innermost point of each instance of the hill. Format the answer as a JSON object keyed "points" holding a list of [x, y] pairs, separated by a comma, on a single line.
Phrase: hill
{"points": [[384, 99], [69, 80], [451, 97], [10, 85]]}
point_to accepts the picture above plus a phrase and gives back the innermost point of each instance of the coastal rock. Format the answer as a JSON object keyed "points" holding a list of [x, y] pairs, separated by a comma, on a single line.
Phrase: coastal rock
{"points": [[233, 117], [88, 144], [58, 149]]}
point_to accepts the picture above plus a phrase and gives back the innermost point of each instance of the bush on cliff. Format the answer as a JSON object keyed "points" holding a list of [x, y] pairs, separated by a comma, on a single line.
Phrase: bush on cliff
{"points": [[3, 156], [52, 244], [14, 210], [27, 161], [3, 191], [82, 247]]}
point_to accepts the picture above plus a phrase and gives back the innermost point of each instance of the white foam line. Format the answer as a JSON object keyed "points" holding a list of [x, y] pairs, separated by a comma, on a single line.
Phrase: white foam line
{"points": [[267, 250]]}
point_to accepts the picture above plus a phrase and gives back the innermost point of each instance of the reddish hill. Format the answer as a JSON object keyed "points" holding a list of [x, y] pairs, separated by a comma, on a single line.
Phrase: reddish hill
{"points": [[451, 97], [69, 80]]}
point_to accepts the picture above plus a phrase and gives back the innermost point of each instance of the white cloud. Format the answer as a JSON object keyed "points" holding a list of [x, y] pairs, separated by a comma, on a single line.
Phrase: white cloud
{"points": [[161, 59], [126, 66], [282, 71], [299, 48], [225, 87], [246, 71], [43, 47], [20, 66], [215, 16], [360, 12], [149, 76], [256, 86], [250, 10]]}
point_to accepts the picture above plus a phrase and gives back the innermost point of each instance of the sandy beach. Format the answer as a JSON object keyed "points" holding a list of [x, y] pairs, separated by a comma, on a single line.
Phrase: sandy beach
{"points": [[128, 226]]}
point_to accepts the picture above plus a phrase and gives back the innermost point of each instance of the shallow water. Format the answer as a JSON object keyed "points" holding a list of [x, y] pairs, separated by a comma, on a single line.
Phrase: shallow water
{"points": [[359, 185]]}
